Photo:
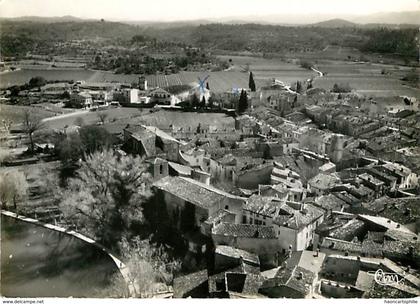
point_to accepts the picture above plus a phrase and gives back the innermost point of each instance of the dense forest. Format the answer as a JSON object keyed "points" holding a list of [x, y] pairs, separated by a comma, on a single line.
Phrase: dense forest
{"points": [[19, 37]]}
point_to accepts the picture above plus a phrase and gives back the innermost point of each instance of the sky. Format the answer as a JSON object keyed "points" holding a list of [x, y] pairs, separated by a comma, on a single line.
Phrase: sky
{"points": [[167, 10]]}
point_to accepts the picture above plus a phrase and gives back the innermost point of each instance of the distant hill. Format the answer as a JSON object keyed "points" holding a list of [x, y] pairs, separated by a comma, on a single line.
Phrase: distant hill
{"points": [[334, 23], [320, 20], [47, 19]]}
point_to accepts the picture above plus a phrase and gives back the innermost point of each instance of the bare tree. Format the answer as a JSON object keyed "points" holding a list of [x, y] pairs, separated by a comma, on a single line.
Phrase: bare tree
{"points": [[149, 268], [107, 195], [7, 124], [102, 117], [13, 188], [31, 124]]}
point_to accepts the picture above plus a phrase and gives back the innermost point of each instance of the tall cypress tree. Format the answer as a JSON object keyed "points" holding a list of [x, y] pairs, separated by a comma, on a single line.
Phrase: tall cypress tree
{"points": [[251, 82], [195, 101], [243, 102]]}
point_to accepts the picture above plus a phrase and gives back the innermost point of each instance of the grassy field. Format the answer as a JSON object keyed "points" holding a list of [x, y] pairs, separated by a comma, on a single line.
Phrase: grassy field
{"points": [[88, 118], [365, 78], [15, 113], [265, 69], [187, 119]]}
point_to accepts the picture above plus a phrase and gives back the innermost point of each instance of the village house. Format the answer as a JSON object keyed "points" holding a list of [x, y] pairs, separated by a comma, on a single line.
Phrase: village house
{"points": [[150, 141], [373, 183], [295, 227], [81, 100], [258, 239], [322, 183], [260, 210], [296, 277], [330, 202], [285, 176], [296, 283], [190, 203], [406, 179], [162, 97]]}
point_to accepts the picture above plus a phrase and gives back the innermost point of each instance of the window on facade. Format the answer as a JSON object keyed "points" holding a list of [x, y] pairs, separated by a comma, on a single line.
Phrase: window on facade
{"points": [[244, 219], [161, 169], [227, 207]]}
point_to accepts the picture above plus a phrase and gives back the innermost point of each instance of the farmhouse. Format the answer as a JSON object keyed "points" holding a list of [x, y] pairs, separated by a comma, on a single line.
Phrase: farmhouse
{"points": [[160, 96], [81, 100]]}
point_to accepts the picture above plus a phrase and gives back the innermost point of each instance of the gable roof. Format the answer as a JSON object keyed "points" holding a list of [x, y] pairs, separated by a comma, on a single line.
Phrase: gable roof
{"points": [[264, 205], [237, 254], [300, 219], [192, 191], [185, 284], [244, 231], [297, 278]]}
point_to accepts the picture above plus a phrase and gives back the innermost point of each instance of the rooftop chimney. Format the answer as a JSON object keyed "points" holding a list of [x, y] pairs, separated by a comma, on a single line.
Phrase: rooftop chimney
{"points": [[300, 276]]}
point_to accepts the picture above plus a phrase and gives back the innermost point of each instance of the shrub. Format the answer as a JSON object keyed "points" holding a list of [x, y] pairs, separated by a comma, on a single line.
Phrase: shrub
{"points": [[306, 64], [341, 88]]}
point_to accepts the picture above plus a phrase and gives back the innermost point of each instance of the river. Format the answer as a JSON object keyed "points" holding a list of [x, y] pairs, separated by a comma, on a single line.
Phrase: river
{"points": [[39, 262]]}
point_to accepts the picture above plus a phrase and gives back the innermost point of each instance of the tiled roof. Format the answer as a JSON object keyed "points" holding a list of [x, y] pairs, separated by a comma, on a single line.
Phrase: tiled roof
{"points": [[264, 205], [371, 248], [401, 210], [185, 284], [252, 283], [197, 193], [180, 169], [330, 202], [323, 181], [244, 231], [219, 216], [348, 231], [402, 248], [375, 236], [371, 179], [300, 219], [237, 253], [221, 276], [340, 245], [398, 235], [382, 222], [296, 278]]}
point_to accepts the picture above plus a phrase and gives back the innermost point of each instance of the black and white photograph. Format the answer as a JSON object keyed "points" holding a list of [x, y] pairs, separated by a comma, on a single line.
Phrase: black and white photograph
{"points": [[236, 150]]}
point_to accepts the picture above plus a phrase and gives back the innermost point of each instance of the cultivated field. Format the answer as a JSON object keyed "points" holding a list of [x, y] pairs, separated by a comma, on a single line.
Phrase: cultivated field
{"points": [[219, 81], [265, 69], [15, 113], [365, 78], [187, 119]]}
